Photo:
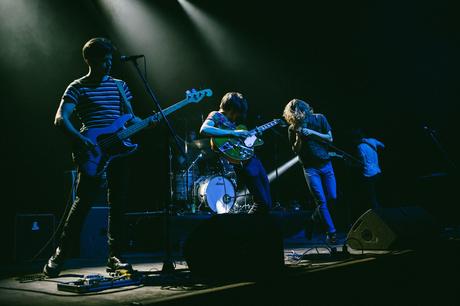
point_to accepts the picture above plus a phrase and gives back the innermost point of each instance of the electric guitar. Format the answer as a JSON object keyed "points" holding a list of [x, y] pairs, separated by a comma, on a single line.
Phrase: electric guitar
{"points": [[113, 141], [237, 150]]}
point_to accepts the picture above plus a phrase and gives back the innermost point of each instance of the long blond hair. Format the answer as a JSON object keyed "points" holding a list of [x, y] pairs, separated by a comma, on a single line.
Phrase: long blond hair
{"points": [[296, 111]]}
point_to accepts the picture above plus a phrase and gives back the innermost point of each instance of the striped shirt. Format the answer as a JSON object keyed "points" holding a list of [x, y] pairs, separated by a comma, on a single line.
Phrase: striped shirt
{"points": [[97, 104]]}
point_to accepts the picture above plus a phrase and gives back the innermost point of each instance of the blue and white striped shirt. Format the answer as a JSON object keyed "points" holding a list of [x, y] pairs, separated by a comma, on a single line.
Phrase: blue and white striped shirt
{"points": [[98, 104]]}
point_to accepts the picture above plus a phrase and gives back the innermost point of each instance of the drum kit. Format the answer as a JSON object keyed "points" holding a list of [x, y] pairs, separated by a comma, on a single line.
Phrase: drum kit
{"points": [[208, 183]]}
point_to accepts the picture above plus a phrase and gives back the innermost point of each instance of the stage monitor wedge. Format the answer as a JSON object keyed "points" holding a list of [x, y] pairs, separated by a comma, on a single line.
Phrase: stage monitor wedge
{"points": [[392, 228]]}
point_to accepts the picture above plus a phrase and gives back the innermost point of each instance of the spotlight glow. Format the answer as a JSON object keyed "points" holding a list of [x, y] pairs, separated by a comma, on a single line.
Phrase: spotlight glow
{"points": [[215, 35], [271, 176], [30, 28], [283, 168]]}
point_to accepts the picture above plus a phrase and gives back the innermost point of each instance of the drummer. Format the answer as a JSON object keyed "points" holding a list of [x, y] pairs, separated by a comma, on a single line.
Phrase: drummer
{"points": [[223, 123]]}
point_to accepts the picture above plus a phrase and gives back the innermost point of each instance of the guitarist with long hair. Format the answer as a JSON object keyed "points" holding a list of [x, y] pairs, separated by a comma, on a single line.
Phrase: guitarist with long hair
{"points": [[309, 134], [97, 100], [223, 123]]}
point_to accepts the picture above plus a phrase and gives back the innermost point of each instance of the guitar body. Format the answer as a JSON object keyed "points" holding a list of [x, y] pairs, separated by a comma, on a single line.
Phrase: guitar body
{"points": [[236, 150], [109, 146]]}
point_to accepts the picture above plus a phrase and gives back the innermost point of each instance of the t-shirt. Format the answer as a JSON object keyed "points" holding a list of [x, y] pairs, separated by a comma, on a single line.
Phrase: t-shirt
{"points": [[367, 150], [312, 152], [221, 121], [97, 104]]}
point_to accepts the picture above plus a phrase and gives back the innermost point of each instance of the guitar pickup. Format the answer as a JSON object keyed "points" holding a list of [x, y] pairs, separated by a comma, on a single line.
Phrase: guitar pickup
{"points": [[226, 146]]}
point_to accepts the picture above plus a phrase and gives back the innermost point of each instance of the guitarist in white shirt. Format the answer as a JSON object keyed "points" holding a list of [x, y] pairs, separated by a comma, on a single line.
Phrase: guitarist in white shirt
{"points": [[233, 108], [97, 102]]}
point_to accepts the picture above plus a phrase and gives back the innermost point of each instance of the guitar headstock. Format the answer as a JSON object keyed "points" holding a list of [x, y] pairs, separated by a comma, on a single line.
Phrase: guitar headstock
{"points": [[196, 96], [280, 122]]}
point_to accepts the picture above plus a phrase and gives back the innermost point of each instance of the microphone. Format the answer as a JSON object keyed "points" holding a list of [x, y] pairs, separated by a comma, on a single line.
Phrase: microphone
{"points": [[428, 129], [127, 58]]}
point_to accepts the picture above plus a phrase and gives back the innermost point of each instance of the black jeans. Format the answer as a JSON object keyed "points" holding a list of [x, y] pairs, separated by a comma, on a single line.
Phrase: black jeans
{"points": [[115, 181], [370, 191], [253, 175], [366, 195]]}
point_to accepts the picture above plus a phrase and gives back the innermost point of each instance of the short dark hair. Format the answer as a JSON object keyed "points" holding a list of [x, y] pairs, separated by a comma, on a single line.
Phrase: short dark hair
{"points": [[234, 101], [97, 48]]}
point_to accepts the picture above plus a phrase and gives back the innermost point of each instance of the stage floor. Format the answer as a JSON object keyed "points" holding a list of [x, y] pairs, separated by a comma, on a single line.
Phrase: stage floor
{"points": [[404, 276], [28, 288], [305, 280]]}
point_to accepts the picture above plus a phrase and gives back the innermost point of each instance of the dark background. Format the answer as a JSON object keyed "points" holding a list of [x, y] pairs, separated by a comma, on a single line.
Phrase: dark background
{"points": [[389, 67]]}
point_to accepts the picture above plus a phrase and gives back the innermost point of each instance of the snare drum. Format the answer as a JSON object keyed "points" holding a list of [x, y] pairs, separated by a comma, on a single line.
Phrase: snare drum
{"points": [[216, 192]]}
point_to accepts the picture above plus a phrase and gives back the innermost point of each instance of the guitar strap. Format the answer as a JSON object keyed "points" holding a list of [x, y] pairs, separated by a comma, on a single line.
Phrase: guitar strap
{"points": [[124, 103]]}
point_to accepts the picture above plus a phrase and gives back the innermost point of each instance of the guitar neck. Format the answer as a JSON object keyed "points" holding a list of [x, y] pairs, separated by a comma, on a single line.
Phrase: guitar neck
{"points": [[265, 126], [139, 126]]}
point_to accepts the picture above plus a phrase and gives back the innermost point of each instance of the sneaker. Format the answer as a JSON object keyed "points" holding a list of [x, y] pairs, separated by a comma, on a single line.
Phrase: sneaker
{"points": [[54, 265], [331, 238], [114, 263]]}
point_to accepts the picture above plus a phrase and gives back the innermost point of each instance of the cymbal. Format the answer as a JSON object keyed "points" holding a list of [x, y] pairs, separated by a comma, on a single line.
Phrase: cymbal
{"points": [[199, 144]]}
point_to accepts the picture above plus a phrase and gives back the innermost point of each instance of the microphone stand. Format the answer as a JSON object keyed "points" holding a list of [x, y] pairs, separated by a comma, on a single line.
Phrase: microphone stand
{"points": [[168, 262], [440, 147], [276, 203]]}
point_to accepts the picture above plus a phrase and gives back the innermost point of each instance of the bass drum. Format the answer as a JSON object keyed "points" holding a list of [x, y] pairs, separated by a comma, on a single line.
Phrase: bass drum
{"points": [[216, 192]]}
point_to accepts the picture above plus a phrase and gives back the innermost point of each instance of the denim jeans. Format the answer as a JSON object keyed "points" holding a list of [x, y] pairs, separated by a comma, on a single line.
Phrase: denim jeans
{"points": [[116, 181], [253, 175], [322, 185]]}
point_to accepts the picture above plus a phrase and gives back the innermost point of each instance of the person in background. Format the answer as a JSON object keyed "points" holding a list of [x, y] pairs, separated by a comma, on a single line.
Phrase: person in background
{"points": [[370, 172]]}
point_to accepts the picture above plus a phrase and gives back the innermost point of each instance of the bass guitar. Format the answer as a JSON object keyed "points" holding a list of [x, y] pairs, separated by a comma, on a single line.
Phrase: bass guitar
{"points": [[114, 141], [237, 150]]}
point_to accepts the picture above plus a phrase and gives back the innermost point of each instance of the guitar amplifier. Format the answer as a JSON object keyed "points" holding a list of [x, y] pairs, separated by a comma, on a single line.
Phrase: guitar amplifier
{"points": [[32, 232]]}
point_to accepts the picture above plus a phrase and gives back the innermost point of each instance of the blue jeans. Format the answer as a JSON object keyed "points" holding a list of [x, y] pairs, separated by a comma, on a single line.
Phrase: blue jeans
{"points": [[321, 182], [253, 175]]}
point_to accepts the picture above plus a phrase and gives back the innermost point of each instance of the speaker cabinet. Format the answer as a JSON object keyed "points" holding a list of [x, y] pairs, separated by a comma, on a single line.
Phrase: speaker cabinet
{"points": [[232, 246], [390, 228], [32, 233]]}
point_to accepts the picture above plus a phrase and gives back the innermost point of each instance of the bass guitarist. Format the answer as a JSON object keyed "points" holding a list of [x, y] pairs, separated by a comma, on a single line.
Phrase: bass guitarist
{"points": [[222, 123], [97, 100]]}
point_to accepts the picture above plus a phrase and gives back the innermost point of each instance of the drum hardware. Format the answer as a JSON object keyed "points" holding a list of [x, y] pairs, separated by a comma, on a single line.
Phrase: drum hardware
{"points": [[243, 202], [227, 198], [212, 188], [193, 163]]}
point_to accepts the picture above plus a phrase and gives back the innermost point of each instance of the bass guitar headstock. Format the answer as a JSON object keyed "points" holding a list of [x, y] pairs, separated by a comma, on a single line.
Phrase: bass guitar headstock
{"points": [[196, 96]]}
